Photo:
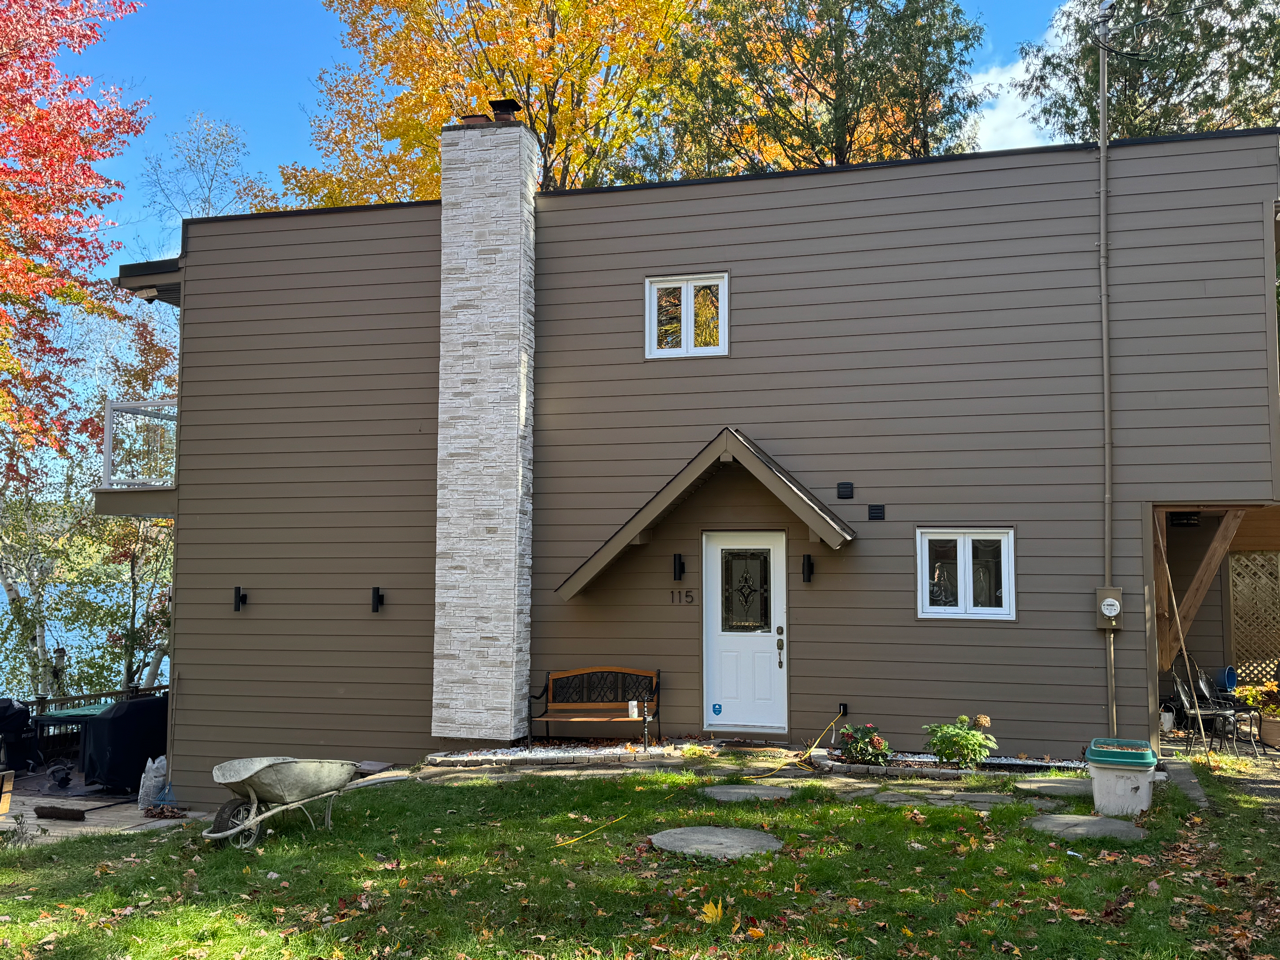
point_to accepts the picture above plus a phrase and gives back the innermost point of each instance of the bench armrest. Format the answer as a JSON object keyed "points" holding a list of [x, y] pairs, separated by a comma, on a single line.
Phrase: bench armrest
{"points": [[546, 688], [653, 698]]}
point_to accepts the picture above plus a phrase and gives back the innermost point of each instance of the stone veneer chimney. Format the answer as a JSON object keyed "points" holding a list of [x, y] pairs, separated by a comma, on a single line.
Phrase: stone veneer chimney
{"points": [[484, 483]]}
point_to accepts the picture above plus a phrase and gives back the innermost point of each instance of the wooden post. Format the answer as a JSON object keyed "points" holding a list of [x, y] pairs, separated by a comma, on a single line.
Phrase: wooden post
{"points": [[1163, 556]]}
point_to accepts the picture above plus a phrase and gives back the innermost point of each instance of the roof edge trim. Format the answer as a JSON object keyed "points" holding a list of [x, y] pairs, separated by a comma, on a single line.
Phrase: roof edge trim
{"points": [[734, 444], [915, 161]]}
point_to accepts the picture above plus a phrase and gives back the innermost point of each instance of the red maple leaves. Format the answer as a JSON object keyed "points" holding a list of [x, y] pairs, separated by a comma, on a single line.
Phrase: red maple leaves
{"points": [[52, 132]]}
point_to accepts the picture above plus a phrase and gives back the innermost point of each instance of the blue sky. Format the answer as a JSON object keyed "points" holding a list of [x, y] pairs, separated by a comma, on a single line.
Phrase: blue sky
{"points": [[254, 63]]}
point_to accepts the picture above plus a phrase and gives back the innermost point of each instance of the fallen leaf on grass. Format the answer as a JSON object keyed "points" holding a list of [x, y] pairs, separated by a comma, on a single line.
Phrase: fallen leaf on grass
{"points": [[712, 912]]}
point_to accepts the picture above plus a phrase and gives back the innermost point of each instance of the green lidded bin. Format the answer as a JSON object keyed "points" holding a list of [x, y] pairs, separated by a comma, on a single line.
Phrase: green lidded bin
{"points": [[1121, 753]]}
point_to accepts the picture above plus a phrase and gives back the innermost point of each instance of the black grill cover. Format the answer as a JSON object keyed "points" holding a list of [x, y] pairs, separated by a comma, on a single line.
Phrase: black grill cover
{"points": [[120, 740], [14, 716]]}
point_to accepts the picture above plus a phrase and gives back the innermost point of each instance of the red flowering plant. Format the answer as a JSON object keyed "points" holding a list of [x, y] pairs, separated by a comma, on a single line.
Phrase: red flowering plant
{"points": [[864, 745]]}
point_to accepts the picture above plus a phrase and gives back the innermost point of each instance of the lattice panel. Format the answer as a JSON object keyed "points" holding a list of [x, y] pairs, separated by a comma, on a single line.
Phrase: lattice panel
{"points": [[1255, 614]]}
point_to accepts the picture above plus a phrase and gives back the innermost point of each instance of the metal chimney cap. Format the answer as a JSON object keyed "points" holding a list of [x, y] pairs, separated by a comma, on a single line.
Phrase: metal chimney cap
{"points": [[511, 107]]}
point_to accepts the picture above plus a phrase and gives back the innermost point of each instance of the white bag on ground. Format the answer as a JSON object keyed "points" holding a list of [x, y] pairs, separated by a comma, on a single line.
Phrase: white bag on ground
{"points": [[152, 782]]}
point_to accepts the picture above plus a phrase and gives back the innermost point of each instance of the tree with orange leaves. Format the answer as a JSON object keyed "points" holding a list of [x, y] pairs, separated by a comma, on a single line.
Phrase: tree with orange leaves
{"points": [[52, 132], [54, 312], [581, 68]]}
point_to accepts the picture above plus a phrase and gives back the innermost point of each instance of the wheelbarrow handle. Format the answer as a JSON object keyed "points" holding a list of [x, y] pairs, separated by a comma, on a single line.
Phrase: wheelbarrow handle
{"points": [[253, 821]]}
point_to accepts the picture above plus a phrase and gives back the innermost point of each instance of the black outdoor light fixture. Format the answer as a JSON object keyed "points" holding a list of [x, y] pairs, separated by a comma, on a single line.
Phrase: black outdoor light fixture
{"points": [[241, 598], [378, 599], [806, 568], [677, 567]]}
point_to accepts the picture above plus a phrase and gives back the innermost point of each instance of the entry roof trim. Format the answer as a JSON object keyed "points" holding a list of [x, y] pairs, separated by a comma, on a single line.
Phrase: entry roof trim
{"points": [[728, 443]]}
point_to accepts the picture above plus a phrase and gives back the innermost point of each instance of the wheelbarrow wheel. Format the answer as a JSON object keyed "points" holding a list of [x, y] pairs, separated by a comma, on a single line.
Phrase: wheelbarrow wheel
{"points": [[229, 816]]}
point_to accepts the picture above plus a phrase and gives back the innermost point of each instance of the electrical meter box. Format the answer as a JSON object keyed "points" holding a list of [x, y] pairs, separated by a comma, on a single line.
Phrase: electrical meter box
{"points": [[1108, 607]]}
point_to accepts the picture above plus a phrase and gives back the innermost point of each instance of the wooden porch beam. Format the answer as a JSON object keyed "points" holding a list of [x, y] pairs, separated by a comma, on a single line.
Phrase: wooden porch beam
{"points": [[1209, 566], [1166, 638]]}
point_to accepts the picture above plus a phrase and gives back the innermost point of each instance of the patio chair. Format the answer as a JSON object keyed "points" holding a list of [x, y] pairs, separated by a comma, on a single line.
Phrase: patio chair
{"points": [[1220, 720], [1223, 700]]}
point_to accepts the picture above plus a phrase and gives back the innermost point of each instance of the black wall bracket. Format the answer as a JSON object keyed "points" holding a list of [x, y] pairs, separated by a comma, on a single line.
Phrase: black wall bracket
{"points": [[378, 599], [241, 598]]}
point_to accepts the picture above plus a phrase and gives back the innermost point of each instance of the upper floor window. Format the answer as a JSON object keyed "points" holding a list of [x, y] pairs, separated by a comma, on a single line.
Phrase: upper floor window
{"points": [[965, 574], [687, 316]]}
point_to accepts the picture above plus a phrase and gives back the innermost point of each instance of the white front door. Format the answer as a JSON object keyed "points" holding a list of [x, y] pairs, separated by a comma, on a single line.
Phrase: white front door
{"points": [[744, 642]]}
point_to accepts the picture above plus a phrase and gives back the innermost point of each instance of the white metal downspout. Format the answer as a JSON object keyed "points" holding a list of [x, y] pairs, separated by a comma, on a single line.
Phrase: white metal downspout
{"points": [[1104, 18]]}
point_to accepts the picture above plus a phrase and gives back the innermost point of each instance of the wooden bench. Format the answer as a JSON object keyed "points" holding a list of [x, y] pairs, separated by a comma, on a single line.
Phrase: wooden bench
{"points": [[6, 791], [598, 695]]}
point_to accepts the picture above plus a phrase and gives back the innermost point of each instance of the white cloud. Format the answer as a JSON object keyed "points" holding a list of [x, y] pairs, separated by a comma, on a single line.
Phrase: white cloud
{"points": [[1002, 125]]}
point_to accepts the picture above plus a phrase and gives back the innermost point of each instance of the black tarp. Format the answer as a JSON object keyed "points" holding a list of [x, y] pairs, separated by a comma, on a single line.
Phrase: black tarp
{"points": [[120, 740], [17, 736], [15, 716]]}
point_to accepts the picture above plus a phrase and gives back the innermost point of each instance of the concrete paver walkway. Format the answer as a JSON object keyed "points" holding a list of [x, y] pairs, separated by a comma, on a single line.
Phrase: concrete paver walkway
{"points": [[102, 814]]}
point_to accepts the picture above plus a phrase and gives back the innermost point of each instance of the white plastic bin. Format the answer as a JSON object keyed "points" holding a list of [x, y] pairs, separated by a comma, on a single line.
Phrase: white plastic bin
{"points": [[1121, 791]]}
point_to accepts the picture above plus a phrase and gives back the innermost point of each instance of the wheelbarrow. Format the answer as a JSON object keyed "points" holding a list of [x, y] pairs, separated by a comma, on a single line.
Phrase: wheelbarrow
{"points": [[267, 786]]}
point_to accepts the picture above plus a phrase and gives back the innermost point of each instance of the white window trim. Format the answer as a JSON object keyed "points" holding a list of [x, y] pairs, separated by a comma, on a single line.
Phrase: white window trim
{"points": [[651, 285], [965, 573]]}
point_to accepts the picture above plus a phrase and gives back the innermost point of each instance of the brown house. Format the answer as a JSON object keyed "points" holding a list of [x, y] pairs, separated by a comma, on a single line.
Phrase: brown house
{"points": [[826, 437]]}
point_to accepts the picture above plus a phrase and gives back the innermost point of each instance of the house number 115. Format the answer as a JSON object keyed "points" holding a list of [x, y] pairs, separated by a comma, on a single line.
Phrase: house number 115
{"points": [[682, 596]]}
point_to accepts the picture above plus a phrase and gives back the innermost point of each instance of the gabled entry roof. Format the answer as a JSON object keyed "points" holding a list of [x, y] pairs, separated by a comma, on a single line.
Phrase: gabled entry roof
{"points": [[728, 445]]}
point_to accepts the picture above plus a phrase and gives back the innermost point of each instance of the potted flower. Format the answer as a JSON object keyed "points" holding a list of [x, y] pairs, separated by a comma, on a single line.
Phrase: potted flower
{"points": [[1270, 732], [1265, 698]]}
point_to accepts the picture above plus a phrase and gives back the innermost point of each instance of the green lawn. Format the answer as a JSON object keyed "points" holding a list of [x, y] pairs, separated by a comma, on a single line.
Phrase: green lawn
{"points": [[421, 870]]}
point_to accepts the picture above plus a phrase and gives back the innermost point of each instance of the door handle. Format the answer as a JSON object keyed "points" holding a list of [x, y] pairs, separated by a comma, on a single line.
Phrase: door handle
{"points": [[780, 645]]}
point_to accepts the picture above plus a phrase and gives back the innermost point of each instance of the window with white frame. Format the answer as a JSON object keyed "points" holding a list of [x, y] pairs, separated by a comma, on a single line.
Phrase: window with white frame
{"points": [[965, 574], [686, 316]]}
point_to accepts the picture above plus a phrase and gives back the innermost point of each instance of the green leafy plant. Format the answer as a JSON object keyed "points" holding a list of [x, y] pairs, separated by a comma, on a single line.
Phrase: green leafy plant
{"points": [[864, 745], [962, 742], [1263, 696]]}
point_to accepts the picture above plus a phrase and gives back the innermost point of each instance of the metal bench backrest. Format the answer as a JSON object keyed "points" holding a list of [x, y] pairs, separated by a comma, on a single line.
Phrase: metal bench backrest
{"points": [[601, 687]]}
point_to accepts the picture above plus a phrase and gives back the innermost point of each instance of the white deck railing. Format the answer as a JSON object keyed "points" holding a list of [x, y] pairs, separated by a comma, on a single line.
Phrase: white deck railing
{"points": [[139, 448]]}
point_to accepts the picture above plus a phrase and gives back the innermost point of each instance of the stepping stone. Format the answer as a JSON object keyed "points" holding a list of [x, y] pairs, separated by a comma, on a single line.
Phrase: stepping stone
{"points": [[891, 799], [1043, 803], [1073, 826], [730, 792], [854, 794], [1057, 786], [726, 843], [986, 798]]}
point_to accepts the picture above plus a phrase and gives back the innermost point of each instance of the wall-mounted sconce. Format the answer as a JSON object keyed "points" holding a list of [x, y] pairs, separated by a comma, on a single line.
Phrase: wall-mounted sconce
{"points": [[844, 490], [241, 598], [677, 567], [806, 568], [378, 599]]}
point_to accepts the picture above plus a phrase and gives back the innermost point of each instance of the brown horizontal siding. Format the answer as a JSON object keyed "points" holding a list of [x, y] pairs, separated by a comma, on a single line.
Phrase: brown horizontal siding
{"points": [[1259, 530], [307, 477], [931, 334]]}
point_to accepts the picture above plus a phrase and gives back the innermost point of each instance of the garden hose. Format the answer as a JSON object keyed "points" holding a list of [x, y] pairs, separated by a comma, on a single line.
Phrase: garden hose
{"points": [[803, 760]]}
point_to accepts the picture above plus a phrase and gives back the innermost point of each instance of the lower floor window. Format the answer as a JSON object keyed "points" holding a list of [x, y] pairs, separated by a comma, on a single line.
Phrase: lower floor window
{"points": [[965, 573]]}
